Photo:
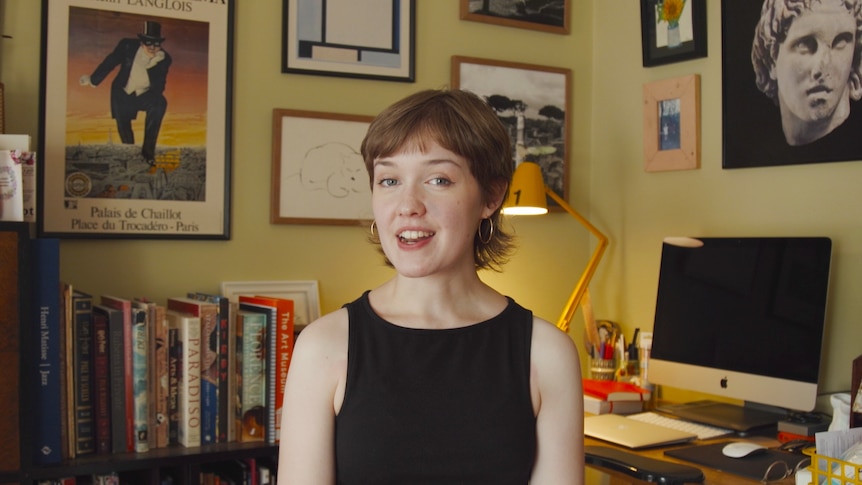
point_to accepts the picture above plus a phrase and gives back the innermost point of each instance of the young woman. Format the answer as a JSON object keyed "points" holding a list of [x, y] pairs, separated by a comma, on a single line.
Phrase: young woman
{"points": [[434, 377]]}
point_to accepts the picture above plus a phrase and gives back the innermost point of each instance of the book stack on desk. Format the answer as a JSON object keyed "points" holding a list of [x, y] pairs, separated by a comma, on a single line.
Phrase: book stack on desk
{"points": [[613, 397]]}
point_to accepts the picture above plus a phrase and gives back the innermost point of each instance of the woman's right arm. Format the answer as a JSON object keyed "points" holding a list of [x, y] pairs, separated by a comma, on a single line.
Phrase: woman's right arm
{"points": [[312, 396]]}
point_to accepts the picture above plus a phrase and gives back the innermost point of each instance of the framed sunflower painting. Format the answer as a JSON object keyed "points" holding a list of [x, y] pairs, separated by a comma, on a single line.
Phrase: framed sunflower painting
{"points": [[672, 31]]}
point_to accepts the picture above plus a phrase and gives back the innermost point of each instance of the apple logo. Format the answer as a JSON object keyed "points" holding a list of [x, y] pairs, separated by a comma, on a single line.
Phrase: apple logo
{"points": [[724, 382]]}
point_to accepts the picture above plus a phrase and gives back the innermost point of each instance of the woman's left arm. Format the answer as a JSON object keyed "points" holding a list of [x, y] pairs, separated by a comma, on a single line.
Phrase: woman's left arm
{"points": [[556, 376]]}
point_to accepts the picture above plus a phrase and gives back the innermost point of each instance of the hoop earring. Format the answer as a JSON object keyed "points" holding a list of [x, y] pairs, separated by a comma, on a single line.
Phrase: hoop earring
{"points": [[486, 240], [373, 225]]}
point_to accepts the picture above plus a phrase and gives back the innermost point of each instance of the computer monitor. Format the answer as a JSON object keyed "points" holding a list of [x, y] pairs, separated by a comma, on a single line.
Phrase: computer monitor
{"points": [[741, 318]]}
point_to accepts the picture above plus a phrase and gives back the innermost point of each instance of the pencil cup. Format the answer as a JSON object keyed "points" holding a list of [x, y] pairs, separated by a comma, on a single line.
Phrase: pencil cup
{"points": [[602, 369]]}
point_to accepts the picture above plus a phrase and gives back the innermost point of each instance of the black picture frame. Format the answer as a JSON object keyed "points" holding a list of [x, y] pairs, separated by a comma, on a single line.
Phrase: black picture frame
{"points": [[94, 183], [752, 127], [654, 38], [382, 46], [543, 15]]}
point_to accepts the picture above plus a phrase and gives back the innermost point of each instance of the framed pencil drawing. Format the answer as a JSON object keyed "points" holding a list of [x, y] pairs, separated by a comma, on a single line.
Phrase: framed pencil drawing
{"points": [[135, 128], [672, 31], [544, 15], [371, 39], [533, 103], [671, 124], [318, 175], [790, 102], [304, 293]]}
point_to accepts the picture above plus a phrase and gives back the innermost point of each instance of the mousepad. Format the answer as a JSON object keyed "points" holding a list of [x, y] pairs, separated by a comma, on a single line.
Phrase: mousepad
{"points": [[752, 466]]}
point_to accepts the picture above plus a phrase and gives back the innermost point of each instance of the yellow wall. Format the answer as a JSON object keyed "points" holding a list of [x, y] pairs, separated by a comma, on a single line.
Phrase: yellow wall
{"points": [[607, 181]]}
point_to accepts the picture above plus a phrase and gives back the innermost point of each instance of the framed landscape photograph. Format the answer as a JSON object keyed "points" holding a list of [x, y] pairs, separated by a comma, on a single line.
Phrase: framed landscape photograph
{"points": [[671, 124], [672, 31], [371, 39], [318, 175], [533, 103], [135, 128], [773, 117], [544, 15]]}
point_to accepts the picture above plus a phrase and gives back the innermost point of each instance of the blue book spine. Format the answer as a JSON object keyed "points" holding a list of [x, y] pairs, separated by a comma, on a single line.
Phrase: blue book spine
{"points": [[48, 447], [140, 341]]}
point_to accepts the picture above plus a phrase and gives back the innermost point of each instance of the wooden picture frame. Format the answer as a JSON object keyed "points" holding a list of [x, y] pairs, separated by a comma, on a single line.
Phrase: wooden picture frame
{"points": [[304, 293], [318, 175], [372, 39], [544, 15], [103, 179], [541, 95], [753, 126], [671, 124], [665, 42]]}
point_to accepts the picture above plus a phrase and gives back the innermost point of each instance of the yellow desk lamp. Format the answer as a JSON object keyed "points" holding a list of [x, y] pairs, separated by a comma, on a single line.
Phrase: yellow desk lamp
{"points": [[527, 197]]}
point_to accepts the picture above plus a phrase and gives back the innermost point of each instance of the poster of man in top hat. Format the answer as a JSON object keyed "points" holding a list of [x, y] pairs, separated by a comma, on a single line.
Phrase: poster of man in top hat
{"points": [[138, 86]]}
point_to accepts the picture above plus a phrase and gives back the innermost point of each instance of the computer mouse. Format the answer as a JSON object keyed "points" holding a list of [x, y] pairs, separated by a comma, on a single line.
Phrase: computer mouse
{"points": [[741, 449]]}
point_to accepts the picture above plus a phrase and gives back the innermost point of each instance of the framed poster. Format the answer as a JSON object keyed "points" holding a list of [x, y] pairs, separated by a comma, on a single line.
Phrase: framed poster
{"points": [[135, 129], [533, 103], [544, 15], [672, 31], [304, 293], [778, 107], [318, 174], [672, 124], [371, 39]]}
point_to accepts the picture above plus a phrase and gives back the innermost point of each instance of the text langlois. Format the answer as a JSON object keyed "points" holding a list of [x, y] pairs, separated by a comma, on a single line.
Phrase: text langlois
{"points": [[135, 220], [176, 5]]}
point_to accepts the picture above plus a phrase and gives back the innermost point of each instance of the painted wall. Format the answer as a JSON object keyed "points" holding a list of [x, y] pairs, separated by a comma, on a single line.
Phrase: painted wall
{"points": [[607, 181]]}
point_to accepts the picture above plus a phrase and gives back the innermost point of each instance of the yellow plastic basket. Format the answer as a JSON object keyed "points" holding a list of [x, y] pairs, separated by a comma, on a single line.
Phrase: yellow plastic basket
{"points": [[832, 471]]}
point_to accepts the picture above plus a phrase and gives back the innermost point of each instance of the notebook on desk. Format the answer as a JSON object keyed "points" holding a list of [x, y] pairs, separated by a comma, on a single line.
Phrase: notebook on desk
{"points": [[632, 433]]}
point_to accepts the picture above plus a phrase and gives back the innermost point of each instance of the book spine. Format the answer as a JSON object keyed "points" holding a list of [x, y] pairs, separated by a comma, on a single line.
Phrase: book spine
{"points": [[47, 437], [174, 361], [160, 377], [252, 410], [190, 383], [101, 384], [209, 374], [117, 365], [140, 339], [284, 353], [14, 279], [84, 422], [224, 419]]}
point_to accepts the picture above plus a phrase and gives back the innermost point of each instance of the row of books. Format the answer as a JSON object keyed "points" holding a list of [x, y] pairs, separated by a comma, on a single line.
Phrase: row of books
{"points": [[133, 375], [248, 471]]}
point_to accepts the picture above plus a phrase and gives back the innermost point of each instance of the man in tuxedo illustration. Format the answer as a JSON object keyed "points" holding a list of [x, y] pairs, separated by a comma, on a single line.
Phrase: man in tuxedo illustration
{"points": [[138, 86]]}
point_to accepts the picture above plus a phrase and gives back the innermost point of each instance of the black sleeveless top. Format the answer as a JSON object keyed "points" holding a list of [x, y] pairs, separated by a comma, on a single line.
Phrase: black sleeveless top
{"points": [[436, 406]]}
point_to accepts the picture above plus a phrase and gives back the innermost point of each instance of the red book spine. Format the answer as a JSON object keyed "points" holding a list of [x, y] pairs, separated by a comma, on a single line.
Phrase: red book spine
{"points": [[101, 382]]}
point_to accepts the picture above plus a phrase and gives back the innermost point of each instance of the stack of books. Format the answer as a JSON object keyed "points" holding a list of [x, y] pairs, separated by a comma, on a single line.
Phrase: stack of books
{"points": [[613, 397]]}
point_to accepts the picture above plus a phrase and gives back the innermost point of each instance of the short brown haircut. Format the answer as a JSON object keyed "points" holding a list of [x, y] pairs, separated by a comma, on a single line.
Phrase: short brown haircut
{"points": [[464, 124]]}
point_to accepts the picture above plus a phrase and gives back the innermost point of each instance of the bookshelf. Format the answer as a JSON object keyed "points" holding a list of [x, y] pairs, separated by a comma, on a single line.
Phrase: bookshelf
{"points": [[173, 464]]}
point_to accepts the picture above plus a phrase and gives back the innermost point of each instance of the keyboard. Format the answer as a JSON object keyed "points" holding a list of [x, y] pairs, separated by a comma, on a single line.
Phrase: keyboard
{"points": [[703, 431]]}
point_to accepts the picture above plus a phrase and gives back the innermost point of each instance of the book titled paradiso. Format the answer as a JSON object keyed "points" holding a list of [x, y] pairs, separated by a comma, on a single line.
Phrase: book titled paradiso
{"points": [[615, 391]]}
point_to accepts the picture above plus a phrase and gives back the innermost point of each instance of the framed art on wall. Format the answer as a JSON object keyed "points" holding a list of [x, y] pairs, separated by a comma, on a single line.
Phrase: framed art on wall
{"points": [[372, 39], [304, 293], [533, 103], [790, 102], [318, 175], [544, 15], [671, 115], [672, 31], [135, 129]]}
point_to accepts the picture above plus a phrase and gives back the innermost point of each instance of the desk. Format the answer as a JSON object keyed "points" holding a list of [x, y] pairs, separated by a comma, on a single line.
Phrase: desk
{"points": [[595, 476]]}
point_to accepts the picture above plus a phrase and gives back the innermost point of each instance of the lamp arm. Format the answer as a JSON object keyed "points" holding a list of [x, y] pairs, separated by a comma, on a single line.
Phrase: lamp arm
{"points": [[581, 287]]}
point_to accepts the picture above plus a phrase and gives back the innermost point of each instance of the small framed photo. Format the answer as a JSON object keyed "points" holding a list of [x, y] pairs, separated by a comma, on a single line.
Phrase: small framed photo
{"points": [[533, 103], [672, 31], [304, 293], [135, 127], [671, 124], [544, 15], [318, 174], [371, 39]]}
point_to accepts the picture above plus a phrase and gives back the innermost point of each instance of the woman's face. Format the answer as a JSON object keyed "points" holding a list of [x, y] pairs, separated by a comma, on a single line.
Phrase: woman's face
{"points": [[427, 206], [814, 62]]}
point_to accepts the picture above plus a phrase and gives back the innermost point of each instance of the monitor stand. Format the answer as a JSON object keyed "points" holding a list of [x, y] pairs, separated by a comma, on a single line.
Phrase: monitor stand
{"points": [[741, 419]]}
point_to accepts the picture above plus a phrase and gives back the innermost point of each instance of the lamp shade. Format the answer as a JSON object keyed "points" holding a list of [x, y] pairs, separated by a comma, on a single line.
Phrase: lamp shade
{"points": [[527, 192]]}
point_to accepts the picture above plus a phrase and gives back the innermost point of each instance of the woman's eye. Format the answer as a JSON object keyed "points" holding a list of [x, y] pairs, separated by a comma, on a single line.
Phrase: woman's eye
{"points": [[440, 181], [387, 182]]}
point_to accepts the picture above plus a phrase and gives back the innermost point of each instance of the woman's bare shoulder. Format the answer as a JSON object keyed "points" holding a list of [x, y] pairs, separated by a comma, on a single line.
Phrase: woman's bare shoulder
{"points": [[326, 334]]}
